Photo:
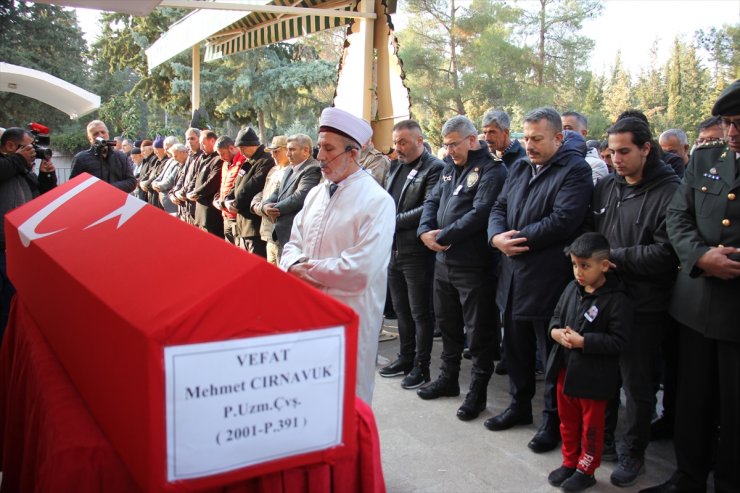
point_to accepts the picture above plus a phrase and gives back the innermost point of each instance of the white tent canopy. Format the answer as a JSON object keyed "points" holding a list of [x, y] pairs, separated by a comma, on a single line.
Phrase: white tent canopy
{"points": [[132, 7], [191, 29], [60, 94]]}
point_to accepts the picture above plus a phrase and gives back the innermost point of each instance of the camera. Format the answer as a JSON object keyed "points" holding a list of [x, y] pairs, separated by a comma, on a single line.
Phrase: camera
{"points": [[41, 140], [101, 145]]}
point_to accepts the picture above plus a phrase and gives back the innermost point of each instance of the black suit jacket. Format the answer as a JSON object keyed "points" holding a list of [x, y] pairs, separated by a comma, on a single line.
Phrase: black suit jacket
{"points": [[291, 195], [248, 183], [418, 186], [207, 185]]}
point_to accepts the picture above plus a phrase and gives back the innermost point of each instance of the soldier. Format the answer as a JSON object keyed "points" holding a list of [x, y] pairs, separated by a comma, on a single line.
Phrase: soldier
{"points": [[703, 223]]}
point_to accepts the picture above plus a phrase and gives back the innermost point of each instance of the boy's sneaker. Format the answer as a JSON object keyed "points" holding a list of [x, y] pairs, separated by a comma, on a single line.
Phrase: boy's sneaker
{"points": [[560, 474], [578, 481], [627, 471], [609, 452]]}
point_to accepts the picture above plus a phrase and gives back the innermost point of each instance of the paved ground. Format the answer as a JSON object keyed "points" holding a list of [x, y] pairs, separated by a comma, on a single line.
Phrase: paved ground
{"points": [[426, 449]]}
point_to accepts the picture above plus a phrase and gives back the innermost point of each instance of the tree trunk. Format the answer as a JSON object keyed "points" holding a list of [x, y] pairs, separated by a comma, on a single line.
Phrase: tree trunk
{"points": [[458, 100], [541, 51], [261, 125]]}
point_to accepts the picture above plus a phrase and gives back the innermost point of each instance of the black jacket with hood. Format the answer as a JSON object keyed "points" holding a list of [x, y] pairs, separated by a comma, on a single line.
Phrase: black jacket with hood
{"points": [[604, 319], [633, 219]]}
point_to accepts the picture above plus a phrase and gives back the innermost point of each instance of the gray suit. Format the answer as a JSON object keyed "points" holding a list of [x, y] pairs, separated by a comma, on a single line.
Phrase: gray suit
{"points": [[289, 198]]}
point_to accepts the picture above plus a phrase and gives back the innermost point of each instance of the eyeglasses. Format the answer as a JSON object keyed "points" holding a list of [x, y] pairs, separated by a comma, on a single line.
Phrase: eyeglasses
{"points": [[727, 123], [453, 145]]}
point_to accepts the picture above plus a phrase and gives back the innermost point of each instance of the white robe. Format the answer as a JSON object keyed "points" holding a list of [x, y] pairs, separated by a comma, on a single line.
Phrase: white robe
{"points": [[349, 237]]}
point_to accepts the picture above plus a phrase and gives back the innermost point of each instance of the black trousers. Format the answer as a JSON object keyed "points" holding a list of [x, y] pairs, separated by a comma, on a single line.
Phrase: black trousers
{"points": [[410, 279], [522, 338], [464, 302], [667, 371], [708, 397], [254, 245], [637, 367]]}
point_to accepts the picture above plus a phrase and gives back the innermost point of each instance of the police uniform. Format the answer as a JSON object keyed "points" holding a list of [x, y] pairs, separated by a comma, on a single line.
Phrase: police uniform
{"points": [[705, 213]]}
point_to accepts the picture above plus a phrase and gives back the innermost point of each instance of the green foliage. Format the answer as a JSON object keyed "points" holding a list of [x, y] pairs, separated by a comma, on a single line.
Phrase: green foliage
{"points": [[687, 82], [618, 97], [723, 45], [459, 58], [121, 115], [561, 53], [46, 38], [70, 142], [493, 54], [268, 87], [122, 46], [517, 59]]}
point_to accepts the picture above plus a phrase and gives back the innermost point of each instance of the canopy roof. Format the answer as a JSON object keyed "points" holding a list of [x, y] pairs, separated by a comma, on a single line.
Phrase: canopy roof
{"points": [[60, 94], [191, 29], [230, 27], [248, 26], [133, 7], [263, 28]]}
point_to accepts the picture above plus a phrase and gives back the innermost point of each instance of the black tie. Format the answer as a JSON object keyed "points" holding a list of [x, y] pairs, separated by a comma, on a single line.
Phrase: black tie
{"points": [[332, 188]]}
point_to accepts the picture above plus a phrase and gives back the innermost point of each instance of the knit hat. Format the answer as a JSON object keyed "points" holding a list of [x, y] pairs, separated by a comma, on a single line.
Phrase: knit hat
{"points": [[247, 138], [158, 142]]}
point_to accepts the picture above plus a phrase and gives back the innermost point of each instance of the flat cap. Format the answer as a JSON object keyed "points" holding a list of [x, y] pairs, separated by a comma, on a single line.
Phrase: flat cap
{"points": [[728, 103], [277, 142]]}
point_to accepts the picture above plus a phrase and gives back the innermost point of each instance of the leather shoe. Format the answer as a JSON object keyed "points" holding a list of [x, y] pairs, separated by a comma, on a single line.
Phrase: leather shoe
{"points": [[510, 417], [400, 366], [544, 440]]}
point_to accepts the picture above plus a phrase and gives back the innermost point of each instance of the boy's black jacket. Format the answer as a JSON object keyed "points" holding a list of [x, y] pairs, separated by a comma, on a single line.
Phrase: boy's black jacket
{"points": [[592, 372]]}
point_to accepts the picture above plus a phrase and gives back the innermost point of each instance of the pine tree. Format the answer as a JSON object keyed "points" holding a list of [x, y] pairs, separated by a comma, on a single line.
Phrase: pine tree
{"points": [[618, 96], [46, 38], [674, 83]]}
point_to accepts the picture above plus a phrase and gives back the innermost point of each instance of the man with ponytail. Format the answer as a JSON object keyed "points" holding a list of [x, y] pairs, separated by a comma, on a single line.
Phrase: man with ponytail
{"points": [[629, 208]]}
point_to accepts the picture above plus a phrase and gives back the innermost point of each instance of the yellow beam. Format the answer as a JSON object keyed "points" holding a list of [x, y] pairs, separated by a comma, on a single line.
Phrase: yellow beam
{"points": [[195, 91]]}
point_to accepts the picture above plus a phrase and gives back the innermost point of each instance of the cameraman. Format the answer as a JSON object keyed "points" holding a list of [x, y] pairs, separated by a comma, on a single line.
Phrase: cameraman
{"points": [[18, 185], [102, 160]]}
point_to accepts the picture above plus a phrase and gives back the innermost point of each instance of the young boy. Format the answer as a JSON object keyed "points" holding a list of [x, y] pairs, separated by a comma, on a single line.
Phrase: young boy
{"points": [[591, 325]]}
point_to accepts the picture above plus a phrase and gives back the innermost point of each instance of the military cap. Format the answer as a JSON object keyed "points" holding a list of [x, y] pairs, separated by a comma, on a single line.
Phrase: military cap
{"points": [[728, 103]]}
